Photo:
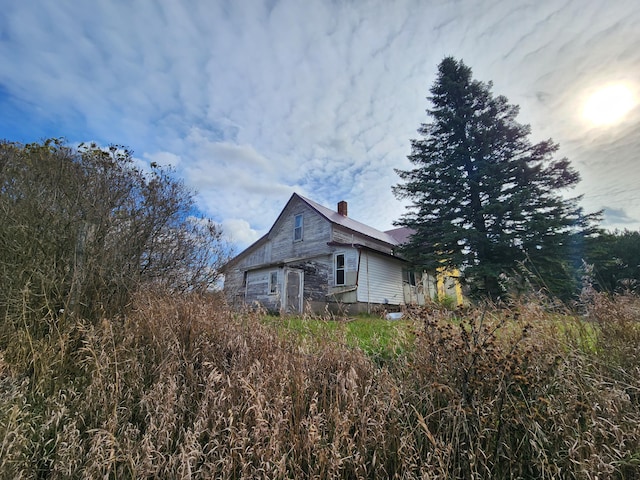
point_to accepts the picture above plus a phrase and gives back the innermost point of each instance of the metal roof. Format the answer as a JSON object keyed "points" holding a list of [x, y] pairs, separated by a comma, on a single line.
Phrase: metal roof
{"points": [[347, 222], [391, 237], [401, 234]]}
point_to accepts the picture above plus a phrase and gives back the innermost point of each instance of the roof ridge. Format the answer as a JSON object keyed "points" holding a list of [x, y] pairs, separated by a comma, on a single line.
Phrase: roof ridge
{"points": [[348, 222]]}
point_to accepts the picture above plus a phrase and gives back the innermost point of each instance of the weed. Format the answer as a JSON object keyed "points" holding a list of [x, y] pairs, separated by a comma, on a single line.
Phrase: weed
{"points": [[185, 388]]}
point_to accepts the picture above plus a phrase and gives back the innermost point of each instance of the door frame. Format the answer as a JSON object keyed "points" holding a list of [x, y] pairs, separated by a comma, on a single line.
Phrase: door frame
{"points": [[285, 296]]}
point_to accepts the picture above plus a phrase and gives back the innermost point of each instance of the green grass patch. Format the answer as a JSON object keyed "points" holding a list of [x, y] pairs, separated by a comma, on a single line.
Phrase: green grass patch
{"points": [[374, 335]]}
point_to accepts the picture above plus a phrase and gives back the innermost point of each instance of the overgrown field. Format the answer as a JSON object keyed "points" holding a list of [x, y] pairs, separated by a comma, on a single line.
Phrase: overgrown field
{"points": [[184, 388]]}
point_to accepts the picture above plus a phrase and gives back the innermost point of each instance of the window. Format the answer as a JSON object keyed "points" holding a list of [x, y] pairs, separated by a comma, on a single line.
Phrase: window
{"points": [[297, 228], [339, 269], [273, 283], [409, 276]]}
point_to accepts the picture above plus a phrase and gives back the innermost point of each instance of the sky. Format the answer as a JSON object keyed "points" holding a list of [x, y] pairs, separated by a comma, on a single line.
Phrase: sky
{"points": [[253, 100]]}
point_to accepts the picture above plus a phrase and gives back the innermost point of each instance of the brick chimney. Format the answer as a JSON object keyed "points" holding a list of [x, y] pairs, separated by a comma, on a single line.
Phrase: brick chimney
{"points": [[342, 208]]}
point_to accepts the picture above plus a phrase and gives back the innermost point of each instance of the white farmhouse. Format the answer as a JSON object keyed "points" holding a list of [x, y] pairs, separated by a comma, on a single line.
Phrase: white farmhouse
{"points": [[314, 257]]}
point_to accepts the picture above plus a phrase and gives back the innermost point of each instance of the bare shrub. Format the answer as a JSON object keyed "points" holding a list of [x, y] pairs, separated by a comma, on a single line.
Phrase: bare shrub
{"points": [[82, 228]]}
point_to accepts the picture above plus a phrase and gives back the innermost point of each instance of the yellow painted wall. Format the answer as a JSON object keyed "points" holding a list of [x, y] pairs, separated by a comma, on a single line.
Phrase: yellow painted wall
{"points": [[444, 278]]}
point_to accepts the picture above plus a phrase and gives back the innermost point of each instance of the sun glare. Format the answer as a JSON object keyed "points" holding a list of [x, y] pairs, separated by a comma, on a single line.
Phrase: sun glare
{"points": [[609, 104]]}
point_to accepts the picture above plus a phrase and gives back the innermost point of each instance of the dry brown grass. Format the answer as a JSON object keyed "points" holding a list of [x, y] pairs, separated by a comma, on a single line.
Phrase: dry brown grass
{"points": [[184, 388]]}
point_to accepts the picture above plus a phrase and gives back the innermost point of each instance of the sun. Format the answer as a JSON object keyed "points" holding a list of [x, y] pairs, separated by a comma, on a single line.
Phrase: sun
{"points": [[609, 104]]}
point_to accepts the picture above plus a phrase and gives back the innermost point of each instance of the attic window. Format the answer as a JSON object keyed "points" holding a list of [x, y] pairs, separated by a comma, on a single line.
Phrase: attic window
{"points": [[297, 228], [339, 269]]}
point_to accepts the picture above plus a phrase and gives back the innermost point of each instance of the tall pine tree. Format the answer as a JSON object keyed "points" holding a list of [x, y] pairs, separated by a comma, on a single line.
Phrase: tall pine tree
{"points": [[484, 198]]}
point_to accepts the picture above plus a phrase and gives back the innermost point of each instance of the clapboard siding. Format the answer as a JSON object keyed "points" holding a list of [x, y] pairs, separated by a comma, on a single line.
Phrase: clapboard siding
{"points": [[260, 256], [316, 232], [233, 287], [379, 280], [257, 289], [316, 278]]}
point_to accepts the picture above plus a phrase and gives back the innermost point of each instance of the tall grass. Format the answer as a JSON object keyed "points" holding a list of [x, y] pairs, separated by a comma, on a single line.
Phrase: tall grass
{"points": [[185, 388]]}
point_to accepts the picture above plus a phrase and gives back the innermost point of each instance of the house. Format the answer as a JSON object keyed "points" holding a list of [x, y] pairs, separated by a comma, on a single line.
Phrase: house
{"points": [[314, 257]]}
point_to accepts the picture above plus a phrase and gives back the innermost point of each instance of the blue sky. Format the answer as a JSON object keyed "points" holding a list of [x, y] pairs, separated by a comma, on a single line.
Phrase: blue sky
{"points": [[251, 101]]}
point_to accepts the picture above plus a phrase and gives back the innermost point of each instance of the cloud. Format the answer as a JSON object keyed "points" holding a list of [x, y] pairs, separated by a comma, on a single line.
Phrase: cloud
{"points": [[163, 159], [253, 101], [240, 232], [617, 216]]}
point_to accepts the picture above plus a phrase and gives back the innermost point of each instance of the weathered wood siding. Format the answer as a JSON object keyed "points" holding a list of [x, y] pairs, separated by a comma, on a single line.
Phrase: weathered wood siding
{"points": [[233, 286], [311, 255], [260, 256], [316, 277], [280, 247], [343, 235], [257, 289], [424, 290], [316, 232], [379, 280]]}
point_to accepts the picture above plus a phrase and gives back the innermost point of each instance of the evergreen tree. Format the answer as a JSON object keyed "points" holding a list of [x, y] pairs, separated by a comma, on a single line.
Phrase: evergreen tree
{"points": [[484, 198], [615, 257]]}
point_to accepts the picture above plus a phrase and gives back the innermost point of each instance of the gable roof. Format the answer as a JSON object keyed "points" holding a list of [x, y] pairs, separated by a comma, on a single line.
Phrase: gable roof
{"points": [[332, 216], [347, 222]]}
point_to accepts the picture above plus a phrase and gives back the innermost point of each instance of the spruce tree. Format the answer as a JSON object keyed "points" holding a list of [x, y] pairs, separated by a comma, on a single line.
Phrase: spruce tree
{"points": [[615, 260], [483, 197]]}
